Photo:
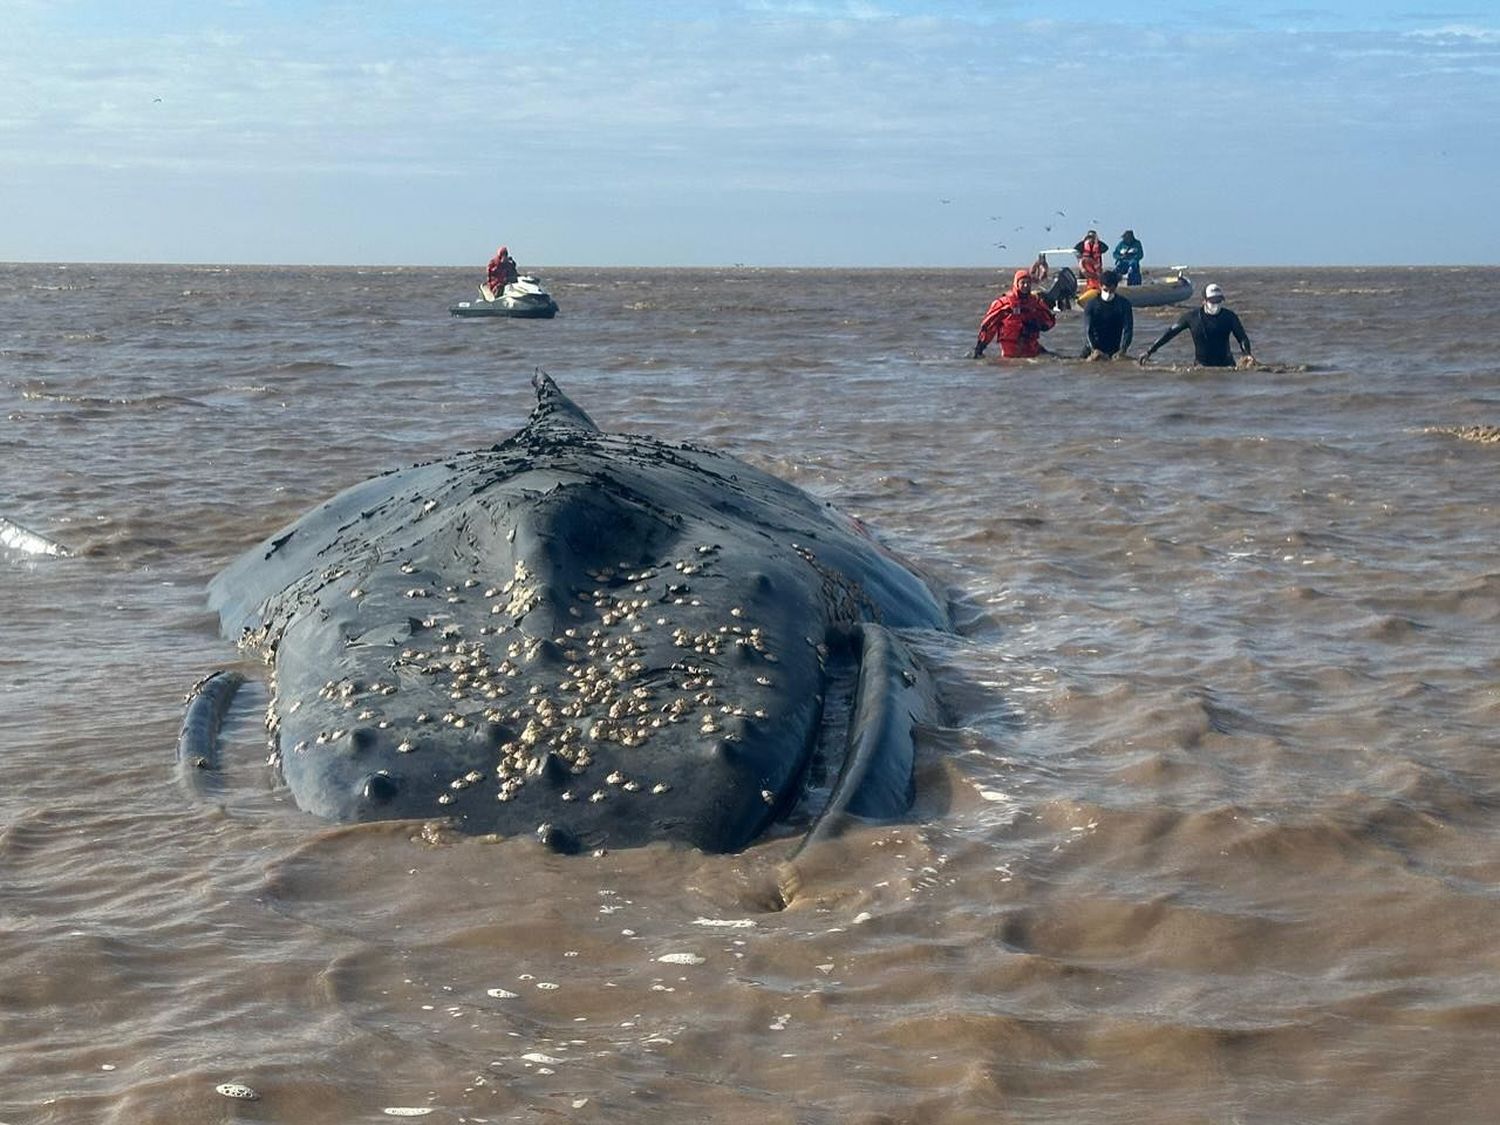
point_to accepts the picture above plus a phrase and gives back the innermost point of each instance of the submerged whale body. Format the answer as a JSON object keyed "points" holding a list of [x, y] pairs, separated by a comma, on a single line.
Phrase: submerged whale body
{"points": [[601, 638]]}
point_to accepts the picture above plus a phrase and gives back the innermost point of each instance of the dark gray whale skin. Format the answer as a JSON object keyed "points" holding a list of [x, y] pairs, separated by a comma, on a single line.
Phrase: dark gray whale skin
{"points": [[600, 638], [198, 740]]}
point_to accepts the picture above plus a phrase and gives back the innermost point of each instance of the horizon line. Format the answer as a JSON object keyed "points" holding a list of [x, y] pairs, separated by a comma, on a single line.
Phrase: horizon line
{"points": [[66, 263]]}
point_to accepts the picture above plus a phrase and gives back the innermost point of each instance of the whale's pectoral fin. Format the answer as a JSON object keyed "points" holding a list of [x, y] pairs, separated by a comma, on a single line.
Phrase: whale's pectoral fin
{"points": [[892, 696], [197, 742]]}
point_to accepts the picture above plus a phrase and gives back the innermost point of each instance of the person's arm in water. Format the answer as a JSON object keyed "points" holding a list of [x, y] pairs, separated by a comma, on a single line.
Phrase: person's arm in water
{"points": [[1180, 326], [989, 327], [1239, 334], [1127, 334]]}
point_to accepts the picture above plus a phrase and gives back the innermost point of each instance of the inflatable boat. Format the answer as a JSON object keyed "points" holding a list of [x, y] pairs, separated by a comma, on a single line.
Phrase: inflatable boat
{"points": [[524, 297], [1169, 289]]}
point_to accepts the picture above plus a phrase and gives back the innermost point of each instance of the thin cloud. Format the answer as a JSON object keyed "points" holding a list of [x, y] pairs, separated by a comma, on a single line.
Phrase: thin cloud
{"points": [[883, 104]]}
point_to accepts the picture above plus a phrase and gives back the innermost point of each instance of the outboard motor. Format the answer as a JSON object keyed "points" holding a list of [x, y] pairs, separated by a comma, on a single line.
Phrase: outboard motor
{"points": [[1063, 291]]}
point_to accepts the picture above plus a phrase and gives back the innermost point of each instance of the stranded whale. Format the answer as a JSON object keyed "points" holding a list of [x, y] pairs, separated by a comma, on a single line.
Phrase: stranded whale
{"points": [[601, 638]]}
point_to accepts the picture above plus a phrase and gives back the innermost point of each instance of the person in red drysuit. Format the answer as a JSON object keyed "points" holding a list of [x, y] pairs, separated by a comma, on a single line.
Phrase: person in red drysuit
{"points": [[1090, 253], [1017, 318], [502, 271]]}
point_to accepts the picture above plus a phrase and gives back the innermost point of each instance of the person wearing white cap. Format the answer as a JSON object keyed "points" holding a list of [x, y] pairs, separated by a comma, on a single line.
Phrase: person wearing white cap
{"points": [[1211, 325]]}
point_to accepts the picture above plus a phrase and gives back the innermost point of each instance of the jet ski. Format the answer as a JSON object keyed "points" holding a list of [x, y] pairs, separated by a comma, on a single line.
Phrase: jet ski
{"points": [[523, 297]]}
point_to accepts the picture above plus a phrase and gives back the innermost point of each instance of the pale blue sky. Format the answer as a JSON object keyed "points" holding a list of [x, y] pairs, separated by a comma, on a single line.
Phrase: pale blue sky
{"points": [[764, 132]]}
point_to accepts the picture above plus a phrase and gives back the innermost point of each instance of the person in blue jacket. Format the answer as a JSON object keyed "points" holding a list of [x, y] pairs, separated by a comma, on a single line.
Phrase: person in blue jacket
{"points": [[1128, 254]]}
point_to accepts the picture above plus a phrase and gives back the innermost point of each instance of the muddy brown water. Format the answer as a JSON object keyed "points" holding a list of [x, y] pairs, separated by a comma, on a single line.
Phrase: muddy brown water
{"points": [[1212, 833]]}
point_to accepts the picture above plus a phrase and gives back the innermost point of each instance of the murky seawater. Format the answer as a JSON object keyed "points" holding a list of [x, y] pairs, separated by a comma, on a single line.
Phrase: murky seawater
{"points": [[1213, 833]]}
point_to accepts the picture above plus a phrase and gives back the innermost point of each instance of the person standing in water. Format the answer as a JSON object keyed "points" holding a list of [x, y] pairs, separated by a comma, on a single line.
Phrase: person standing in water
{"points": [[1090, 253], [1128, 253], [1017, 318], [1108, 321], [1211, 325]]}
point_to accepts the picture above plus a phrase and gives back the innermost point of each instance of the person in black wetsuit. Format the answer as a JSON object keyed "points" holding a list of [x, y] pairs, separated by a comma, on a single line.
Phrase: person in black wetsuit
{"points": [[1211, 326], [1108, 321]]}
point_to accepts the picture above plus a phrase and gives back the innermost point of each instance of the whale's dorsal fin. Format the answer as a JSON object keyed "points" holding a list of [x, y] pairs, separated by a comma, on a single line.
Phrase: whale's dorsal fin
{"points": [[555, 409]]}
